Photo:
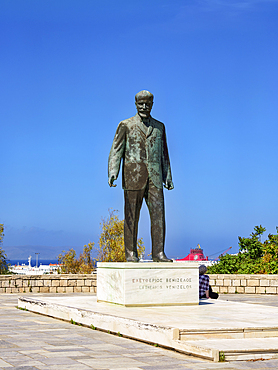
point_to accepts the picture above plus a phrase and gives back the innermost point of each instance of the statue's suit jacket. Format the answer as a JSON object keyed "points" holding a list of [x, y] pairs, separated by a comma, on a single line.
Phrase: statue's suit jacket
{"points": [[144, 155]]}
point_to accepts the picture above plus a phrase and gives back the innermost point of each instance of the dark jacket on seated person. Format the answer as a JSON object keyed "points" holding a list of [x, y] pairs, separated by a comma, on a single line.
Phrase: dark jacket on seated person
{"points": [[205, 290]]}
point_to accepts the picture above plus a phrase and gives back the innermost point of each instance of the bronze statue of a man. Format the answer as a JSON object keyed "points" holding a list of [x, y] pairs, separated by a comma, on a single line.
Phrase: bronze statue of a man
{"points": [[140, 142]]}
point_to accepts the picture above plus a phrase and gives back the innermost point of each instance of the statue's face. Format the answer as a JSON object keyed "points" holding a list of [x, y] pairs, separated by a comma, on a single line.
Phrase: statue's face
{"points": [[144, 107]]}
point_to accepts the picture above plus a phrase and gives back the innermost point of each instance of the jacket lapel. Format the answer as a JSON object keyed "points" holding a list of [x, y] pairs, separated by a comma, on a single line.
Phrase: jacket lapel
{"points": [[150, 128], [140, 124], [142, 127]]}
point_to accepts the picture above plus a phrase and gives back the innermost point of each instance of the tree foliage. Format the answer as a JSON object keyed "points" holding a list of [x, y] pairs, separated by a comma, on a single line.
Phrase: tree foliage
{"points": [[4, 268], [111, 242], [1, 233], [70, 264], [254, 257], [110, 248], [252, 246]]}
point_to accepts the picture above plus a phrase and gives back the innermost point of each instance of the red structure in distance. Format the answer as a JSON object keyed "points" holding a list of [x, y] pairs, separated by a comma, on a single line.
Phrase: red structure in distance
{"points": [[196, 254]]}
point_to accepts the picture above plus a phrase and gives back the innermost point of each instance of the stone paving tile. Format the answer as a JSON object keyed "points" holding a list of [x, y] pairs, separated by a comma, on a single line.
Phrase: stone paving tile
{"points": [[22, 368], [163, 367], [264, 299], [6, 353], [66, 367], [104, 354], [107, 363], [26, 362], [59, 361], [108, 347], [7, 344], [38, 357], [221, 365], [154, 354], [65, 347], [16, 360], [124, 368], [267, 364], [63, 354], [270, 364], [4, 363], [155, 360]]}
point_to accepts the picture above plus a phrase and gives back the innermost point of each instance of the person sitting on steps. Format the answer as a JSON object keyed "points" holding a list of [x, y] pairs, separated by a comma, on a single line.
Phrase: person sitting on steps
{"points": [[205, 290]]}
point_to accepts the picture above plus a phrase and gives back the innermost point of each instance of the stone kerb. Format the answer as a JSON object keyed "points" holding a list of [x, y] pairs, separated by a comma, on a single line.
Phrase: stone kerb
{"points": [[244, 284], [64, 283]]}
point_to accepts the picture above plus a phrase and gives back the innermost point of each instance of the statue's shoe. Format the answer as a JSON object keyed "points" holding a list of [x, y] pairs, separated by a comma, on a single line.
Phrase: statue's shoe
{"points": [[132, 258], [161, 257]]}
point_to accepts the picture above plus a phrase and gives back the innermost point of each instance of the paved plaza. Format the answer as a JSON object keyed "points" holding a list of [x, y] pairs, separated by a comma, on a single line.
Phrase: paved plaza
{"points": [[31, 341]]}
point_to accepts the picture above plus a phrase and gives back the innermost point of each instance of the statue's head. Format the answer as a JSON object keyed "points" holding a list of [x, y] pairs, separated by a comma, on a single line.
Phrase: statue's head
{"points": [[144, 103]]}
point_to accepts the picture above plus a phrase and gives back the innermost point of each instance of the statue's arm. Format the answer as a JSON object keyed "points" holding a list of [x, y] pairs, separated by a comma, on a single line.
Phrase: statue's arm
{"points": [[166, 168], [116, 154]]}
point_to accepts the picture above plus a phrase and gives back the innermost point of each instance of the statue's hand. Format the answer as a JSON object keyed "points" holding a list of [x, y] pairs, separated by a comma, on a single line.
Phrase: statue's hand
{"points": [[111, 181], [169, 185]]}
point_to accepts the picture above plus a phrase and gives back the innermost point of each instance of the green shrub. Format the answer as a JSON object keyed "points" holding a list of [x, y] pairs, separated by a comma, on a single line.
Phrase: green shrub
{"points": [[254, 257]]}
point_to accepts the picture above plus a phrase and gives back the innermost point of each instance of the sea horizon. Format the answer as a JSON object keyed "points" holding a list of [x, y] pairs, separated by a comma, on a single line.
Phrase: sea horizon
{"points": [[33, 262]]}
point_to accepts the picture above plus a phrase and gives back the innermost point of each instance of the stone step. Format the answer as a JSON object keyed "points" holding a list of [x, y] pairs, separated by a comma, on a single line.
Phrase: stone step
{"points": [[228, 334], [241, 349]]}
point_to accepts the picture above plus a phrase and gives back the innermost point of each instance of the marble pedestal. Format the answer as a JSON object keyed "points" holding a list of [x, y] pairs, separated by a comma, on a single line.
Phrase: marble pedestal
{"points": [[148, 283]]}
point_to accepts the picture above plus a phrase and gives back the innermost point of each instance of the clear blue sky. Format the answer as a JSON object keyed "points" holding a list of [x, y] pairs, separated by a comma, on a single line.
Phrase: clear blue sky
{"points": [[69, 73]]}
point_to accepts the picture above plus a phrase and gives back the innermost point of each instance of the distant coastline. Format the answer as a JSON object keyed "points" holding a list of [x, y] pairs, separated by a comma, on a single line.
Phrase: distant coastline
{"points": [[33, 262]]}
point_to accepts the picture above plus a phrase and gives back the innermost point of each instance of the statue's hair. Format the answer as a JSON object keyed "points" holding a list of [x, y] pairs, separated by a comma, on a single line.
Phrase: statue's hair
{"points": [[144, 94], [202, 269]]}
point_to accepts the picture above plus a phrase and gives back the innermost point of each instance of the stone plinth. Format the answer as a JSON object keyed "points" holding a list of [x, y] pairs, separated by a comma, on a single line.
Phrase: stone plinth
{"points": [[148, 283]]}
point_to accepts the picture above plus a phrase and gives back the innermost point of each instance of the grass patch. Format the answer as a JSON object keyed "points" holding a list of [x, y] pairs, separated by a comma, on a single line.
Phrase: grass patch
{"points": [[21, 308], [221, 356]]}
